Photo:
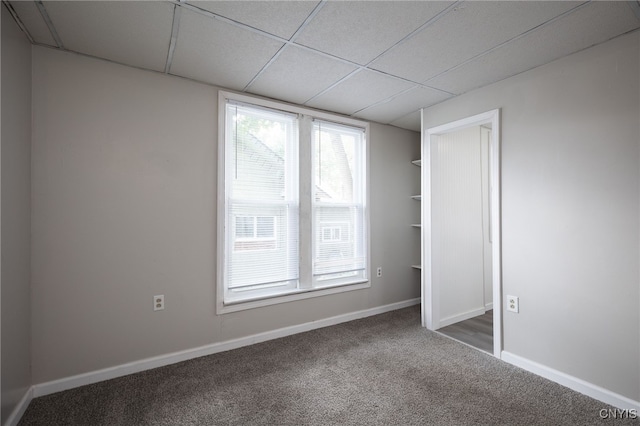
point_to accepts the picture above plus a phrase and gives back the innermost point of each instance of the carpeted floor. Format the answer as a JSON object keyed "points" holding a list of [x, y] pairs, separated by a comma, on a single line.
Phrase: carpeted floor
{"points": [[382, 370]]}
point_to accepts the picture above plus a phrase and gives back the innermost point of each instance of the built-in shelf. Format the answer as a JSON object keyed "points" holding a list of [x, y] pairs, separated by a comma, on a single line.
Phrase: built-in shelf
{"points": [[417, 198]]}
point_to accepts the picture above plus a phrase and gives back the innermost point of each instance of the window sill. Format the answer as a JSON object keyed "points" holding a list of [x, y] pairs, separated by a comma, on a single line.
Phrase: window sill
{"points": [[223, 308]]}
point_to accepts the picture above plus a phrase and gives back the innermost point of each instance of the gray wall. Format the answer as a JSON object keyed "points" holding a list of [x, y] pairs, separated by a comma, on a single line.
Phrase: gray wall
{"points": [[124, 190], [16, 213], [570, 210]]}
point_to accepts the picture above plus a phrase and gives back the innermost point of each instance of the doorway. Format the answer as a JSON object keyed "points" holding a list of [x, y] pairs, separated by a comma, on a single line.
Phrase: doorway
{"points": [[461, 280]]}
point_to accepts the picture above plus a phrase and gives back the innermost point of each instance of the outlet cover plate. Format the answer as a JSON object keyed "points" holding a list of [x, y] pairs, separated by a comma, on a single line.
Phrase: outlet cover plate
{"points": [[158, 302]]}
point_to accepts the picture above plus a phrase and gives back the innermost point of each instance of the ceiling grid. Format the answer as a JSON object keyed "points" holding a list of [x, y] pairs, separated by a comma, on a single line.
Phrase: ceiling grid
{"points": [[175, 26], [289, 42], [47, 20], [376, 60]]}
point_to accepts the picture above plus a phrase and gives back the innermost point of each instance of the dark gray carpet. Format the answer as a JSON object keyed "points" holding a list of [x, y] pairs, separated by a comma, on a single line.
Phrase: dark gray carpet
{"points": [[382, 370]]}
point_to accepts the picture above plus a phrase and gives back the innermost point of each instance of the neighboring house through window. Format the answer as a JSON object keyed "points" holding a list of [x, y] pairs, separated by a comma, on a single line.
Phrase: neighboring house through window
{"points": [[332, 233], [255, 233], [293, 219]]}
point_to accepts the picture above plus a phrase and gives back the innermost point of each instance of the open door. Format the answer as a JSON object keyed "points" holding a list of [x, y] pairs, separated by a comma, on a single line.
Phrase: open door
{"points": [[461, 222]]}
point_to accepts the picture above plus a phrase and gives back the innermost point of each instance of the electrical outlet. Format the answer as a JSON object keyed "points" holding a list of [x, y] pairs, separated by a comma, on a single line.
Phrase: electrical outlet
{"points": [[513, 304], [158, 302], [379, 271]]}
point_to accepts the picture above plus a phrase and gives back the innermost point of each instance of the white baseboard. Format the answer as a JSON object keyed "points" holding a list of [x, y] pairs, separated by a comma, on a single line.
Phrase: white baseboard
{"points": [[172, 358], [488, 306], [578, 385], [19, 410], [460, 317]]}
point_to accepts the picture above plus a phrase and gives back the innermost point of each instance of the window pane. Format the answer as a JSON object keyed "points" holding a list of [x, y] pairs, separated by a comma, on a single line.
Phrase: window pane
{"points": [[244, 227], [259, 144], [334, 252], [338, 204], [265, 227], [262, 198], [335, 152]]}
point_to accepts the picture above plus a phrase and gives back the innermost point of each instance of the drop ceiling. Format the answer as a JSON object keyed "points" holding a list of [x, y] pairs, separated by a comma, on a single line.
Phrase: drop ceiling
{"points": [[376, 60]]}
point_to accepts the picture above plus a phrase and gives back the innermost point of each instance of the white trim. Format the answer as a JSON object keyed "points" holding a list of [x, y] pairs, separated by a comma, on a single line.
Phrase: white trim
{"points": [[430, 293], [495, 192], [488, 306], [574, 383], [172, 358], [460, 317], [292, 297], [425, 206], [463, 123], [223, 95], [221, 249], [19, 409], [430, 309]]}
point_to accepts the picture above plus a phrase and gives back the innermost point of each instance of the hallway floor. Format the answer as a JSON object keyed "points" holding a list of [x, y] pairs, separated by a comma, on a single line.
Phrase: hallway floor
{"points": [[476, 332]]}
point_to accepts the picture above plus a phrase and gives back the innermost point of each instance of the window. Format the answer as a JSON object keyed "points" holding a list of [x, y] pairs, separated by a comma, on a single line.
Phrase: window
{"points": [[292, 205], [332, 233], [338, 196], [255, 233], [261, 169]]}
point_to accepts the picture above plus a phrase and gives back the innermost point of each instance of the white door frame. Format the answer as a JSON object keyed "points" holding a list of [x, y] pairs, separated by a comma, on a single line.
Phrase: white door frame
{"points": [[430, 291]]}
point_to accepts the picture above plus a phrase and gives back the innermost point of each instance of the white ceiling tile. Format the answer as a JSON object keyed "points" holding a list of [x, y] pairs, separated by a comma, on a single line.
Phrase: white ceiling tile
{"points": [[464, 32], [410, 121], [359, 31], [403, 104], [453, 53], [592, 24], [219, 53], [298, 74], [359, 91], [129, 32], [281, 18], [32, 20]]}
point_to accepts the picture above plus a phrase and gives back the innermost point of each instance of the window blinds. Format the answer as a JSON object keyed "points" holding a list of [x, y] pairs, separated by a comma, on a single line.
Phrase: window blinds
{"points": [[339, 252], [261, 201], [278, 164]]}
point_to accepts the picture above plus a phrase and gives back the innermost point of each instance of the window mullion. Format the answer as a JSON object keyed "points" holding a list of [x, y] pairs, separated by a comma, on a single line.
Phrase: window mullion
{"points": [[306, 194]]}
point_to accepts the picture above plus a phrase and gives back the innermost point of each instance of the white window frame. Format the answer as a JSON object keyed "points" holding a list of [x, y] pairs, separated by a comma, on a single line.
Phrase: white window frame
{"points": [[306, 286]]}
